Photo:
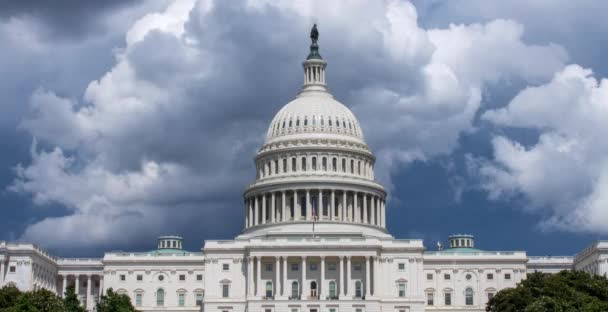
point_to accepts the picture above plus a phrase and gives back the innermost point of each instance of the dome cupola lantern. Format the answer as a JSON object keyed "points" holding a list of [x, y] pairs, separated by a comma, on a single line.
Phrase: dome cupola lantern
{"points": [[314, 66]]}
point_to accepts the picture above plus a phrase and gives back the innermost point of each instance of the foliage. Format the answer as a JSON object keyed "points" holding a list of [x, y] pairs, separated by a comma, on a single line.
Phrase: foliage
{"points": [[566, 291], [40, 300], [71, 301], [8, 296], [114, 302]]}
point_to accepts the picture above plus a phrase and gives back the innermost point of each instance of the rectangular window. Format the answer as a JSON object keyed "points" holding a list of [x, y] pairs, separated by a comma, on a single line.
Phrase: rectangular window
{"points": [[332, 310], [199, 277], [358, 310], [123, 277], [448, 298], [294, 266], [225, 290], [490, 276], [225, 267], [429, 277], [267, 310], [182, 277], [138, 300], [401, 266], [430, 299], [490, 296], [447, 277], [357, 266], [269, 267], [140, 277], [401, 290], [313, 266], [12, 269], [507, 276], [181, 299], [294, 310], [199, 299], [331, 267]]}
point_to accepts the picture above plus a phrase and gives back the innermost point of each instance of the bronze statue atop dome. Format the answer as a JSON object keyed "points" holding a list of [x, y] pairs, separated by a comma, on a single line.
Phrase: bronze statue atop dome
{"points": [[314, 34]]}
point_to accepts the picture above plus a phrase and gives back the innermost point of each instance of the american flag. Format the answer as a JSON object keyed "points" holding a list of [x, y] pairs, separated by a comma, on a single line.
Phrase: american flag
{"points": [[314, 213]]}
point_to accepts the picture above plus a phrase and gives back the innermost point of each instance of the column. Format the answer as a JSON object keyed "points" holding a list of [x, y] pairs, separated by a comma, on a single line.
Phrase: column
{"points": [[246, 213], [320, 205], [368, 282], [249, 276], [273, 208], [321, 285], [308, 210], [277, 280], [101, 285], [264, 209], [365, 208], [88, 296], [341, 283], [284, 283], [344, 214], [355, 208], [347, 283], [303, 289], [372, 204], [259, 277], [64, 281], [375, 272], [296, 211], [77, 288], [283, 208], [256, 211], [383, 213], [333, 205]]}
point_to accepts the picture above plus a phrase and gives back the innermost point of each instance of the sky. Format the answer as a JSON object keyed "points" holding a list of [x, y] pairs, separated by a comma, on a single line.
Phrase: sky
{"points": [[124, 120]]}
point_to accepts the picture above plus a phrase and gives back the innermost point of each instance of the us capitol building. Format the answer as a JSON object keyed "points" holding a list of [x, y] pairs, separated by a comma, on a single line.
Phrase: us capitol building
{"points": [[314, 238]]}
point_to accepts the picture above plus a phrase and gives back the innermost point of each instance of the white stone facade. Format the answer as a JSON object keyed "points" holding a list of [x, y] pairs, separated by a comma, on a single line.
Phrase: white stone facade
{"points": [[314, 239]]}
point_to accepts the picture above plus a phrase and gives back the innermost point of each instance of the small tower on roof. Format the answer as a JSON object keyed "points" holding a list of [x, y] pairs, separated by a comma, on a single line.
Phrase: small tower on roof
{"points": [[462, 241], [170, 242], [314, 65]]}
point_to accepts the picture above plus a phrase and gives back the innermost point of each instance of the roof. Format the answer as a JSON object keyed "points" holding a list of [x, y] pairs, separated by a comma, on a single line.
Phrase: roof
{"points": [[462, 250]]}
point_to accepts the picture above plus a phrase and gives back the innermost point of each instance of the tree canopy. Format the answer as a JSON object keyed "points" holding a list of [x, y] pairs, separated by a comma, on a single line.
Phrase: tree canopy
{"points": [[566, 291], [71, 302], [114, 302]]}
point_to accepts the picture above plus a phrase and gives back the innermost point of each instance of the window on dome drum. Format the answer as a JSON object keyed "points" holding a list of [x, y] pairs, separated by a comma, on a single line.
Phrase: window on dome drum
{"points": [[334, 164], [283, 124], [268, 289], [358, 289], [181, 301], [352, 166], [468, 296], [297, 122], [447, 298], [359, 168], [329, 121], [314, 163], [332, 289], [324, 164], [295, 289], [225, 290], [343, 165], [290, 123], [182, 277], [294, 267], [140, 277], [490, 276], [269, 267], [138, 300], [225, 267], [284, 169], [293, 164], [276, 167], [303, 163], [160, 297], [401, 290], [507, 276], [429, 276], [430, 298], [199, 299], [447, 277], [401, 266], [344, 124], [337, 123]]}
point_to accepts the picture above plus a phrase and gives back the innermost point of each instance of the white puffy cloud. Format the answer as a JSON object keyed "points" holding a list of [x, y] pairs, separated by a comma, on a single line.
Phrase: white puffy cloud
{"points": [[164, 139], [564, 174]]}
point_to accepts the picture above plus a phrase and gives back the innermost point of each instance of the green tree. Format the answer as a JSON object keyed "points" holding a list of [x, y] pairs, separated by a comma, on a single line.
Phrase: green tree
{"points": [[566, 291], [71, 301], [8, 296], [114, 302], [37, 301]]}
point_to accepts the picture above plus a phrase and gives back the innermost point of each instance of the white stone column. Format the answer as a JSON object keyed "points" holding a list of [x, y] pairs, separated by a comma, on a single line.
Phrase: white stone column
{"points": [[347, 283], [264, 209], [355, 208], [341, 283], [284, 283], [303, 288], [101, 290], [344, 213], [249, 276], [259, 277], [372, 207], [383, 213], [246, 213], [320, 205], [365, 208], [256, 211], [88, 296], [308, 210], [77, 287], [333, 205], [283, 208], [368, 281], [322, 281], [277, 280], [64, 282], [273, 209]]}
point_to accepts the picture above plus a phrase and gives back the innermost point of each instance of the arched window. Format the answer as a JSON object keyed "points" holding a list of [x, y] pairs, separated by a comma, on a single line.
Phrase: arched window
{"points": [[334, 163], [358, 289], [306, 121], [276, 166], [337, 123], [284, 165], [269, 289], [313, 289], [321, 120], [295, 289], [160, 297], [297, 122], [359, 167], [329, 120], [290, 123], [303, 163], [283, 124], [324, 164], [352, 166], [314, 121], [343, 165], [314, 163], [293, 164], [468, 296], [332, 290]]}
